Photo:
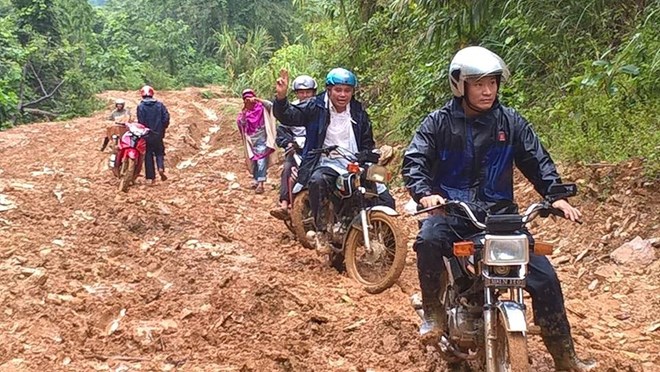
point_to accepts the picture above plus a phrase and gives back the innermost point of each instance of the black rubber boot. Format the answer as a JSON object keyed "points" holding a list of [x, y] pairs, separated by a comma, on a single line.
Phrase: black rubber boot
{"points": [[563, 353], [434, 323]]}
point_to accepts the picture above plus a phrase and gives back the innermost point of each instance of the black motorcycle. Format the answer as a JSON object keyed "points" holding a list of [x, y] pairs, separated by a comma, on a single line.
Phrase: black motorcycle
{"points": [[365, 236], [482, 288]]}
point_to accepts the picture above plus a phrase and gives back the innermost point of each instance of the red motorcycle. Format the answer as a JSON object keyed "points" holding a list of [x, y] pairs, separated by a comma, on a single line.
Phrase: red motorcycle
{"points": [[127, 163]]}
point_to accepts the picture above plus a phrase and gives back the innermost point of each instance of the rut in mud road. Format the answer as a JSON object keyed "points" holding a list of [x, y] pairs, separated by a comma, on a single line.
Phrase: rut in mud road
{"points": [[194, 274]]}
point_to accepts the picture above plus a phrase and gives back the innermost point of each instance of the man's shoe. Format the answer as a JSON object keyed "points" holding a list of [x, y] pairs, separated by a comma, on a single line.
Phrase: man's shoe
{"points": [[433, 322], [321, 240], [281, 214], [163, 177], [430, 332], [563, 354]]}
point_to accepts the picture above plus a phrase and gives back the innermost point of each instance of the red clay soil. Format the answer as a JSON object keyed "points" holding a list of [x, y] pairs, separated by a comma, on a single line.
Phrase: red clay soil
{"points": [[193, 274]]}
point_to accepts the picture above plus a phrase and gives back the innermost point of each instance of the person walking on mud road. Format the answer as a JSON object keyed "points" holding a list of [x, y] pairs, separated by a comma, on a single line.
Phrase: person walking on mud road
{"points": [[291, 139], [465, 151], [153, 114], [120, 115], [257, 127]]}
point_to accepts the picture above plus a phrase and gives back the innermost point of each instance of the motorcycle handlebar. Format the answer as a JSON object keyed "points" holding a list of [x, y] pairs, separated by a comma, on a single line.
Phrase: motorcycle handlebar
{"points": [[463, 205], [543, 209], [362, 157], [324, 150]]}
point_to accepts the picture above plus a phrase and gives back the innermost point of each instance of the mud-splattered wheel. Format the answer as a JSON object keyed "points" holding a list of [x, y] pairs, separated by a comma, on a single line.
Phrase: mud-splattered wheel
{"points": [[289, 225], [126, 174], [302, 219], [510, 349], [380, 267]]}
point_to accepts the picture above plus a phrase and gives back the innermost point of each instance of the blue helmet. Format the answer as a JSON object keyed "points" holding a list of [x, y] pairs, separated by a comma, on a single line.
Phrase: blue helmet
{"points": [[340, 76]]}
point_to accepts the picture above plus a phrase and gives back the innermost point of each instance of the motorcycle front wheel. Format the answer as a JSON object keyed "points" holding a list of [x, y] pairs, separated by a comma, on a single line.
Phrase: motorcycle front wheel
{"points": [[510, 349], [126, 174], [379, 268]]}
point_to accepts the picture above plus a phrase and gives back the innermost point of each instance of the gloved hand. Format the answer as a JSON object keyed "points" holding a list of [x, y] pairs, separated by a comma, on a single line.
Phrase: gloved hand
{"points": [[367, 156]]}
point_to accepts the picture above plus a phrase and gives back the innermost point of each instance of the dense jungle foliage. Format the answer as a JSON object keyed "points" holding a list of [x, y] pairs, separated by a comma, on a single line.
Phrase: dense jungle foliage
{"points": [[586, 73]]}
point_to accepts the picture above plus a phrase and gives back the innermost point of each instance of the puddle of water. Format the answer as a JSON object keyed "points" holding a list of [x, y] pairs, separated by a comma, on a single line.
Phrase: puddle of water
{"points": [[6, 203]]}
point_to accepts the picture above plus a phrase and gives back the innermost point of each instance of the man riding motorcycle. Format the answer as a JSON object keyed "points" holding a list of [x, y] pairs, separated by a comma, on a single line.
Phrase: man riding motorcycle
{"points": [[304, 87], [465, 151], [119, 115], [333, 117]]}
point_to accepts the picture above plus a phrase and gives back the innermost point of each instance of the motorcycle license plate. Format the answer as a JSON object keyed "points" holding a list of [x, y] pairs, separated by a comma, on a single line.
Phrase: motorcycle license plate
{"points": [[504, 282]]}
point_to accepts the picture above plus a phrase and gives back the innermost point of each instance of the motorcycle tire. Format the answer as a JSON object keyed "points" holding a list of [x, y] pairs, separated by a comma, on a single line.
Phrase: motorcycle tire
{"points": [[289, 225], [126, 174], [116, 169], [337, 261], [511, 349], [397, 253], [302, 220]]}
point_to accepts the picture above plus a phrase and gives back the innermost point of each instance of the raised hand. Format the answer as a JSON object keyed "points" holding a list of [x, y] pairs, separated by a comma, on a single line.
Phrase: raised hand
{"points": [[282, 84]]}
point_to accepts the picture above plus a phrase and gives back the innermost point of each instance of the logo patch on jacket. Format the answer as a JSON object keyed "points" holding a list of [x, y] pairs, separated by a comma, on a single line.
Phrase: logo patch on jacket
{"points": [[501, 136]]}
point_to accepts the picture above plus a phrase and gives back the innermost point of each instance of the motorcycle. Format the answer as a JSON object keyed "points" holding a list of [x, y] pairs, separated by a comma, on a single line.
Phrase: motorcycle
{"points": [[483, 327], [295, 151], [365, 238], [302, 219], [126, 164], [113, 132]]}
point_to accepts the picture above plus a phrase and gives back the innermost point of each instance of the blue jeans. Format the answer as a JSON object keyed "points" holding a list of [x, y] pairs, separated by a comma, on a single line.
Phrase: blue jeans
{"points": [[259, 169]]}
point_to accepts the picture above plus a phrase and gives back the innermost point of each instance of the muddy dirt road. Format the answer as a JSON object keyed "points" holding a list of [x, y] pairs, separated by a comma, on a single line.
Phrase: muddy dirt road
{"points": [[194, 275]]}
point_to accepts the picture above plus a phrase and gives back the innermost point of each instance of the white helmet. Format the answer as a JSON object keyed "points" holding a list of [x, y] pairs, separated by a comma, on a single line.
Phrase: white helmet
{"points": [[120, 101], [303, 82], [474, 62]]}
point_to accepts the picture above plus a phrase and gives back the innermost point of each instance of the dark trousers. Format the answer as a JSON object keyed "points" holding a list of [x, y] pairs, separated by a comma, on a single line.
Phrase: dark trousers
{"points": [[106, 140], [435, 240], [289, 163], [155, 149], [320, 186]]}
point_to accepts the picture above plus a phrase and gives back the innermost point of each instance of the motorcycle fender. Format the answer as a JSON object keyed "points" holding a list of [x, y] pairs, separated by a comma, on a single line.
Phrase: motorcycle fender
{"points": [[357, 223], [132, 153], [513, 315], [385, 209]]}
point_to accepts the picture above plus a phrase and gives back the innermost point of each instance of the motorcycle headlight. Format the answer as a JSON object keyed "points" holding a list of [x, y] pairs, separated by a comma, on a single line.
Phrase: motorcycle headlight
{"points": [[377, 173], [504, 250]]}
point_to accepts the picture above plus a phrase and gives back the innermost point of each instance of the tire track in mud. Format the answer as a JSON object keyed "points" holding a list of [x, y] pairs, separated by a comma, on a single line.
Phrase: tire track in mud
{"points": [[191, 274]]}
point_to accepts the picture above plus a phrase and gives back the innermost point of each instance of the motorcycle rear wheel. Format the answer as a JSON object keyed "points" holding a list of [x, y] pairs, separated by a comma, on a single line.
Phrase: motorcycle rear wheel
{"points": [[126, 174], [289, 225], [302, 219], [511, 349], [385, 234]]}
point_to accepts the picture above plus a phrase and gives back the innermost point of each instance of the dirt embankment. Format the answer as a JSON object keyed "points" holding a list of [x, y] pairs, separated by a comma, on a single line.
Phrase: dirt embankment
{"points": [[193, 274]]}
